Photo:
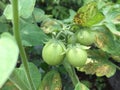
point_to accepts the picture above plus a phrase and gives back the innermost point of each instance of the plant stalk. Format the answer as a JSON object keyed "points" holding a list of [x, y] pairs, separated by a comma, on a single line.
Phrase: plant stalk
{"points": [[117, 66], [19, 42], [71, 72]]}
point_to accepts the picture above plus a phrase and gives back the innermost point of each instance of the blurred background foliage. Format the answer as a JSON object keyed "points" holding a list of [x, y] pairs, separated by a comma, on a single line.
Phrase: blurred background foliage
{"points": [[61, 10]]}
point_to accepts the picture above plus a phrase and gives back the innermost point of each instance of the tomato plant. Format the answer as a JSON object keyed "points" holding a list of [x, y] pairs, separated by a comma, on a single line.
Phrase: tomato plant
{"points": [[44, 42]]}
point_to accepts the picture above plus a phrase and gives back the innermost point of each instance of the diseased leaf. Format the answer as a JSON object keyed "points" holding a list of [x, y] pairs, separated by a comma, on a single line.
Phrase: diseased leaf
{"points": [[98, 64], [105, 41], [51, 26], [51, 81], [88, 15]]}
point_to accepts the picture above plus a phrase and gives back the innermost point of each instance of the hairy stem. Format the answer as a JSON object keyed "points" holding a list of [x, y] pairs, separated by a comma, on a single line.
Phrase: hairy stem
{"points": [[71, 72], [18, 40]]}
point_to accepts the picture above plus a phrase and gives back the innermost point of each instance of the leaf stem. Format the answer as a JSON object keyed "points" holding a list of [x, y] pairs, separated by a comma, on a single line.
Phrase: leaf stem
{"points": [[59, 34], [117, 67], [71, 72], [18, 40]]}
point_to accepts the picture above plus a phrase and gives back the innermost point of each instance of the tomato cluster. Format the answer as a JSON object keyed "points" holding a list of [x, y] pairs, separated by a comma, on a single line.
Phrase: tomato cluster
{"points": [[56, 50]]}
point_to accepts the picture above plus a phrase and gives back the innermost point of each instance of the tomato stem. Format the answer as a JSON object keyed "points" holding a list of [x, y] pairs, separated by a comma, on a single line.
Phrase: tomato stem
{"points": [[19, 42], [59, 34], [117, 67], [71, 72]]}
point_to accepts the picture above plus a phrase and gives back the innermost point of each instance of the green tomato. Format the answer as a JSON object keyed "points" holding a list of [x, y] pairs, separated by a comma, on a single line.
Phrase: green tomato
{"points": [[72, 39], [53, 52], [76, 56], [86, 37]]}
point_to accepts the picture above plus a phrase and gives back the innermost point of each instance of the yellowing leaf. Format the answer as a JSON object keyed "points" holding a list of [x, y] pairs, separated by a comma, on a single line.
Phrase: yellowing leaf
{"points": [[88, 15], [98, 64]]}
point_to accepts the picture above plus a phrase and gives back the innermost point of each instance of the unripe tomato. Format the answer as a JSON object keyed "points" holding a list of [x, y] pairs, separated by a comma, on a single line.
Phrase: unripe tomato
{"points": [[76, 56], [86, 37], [52, 52], [72, 39]]}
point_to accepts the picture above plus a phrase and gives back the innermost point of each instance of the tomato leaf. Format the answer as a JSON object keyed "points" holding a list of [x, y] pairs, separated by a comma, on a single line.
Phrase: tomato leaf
{"points": [[32, 35], [9, 86], [112, 13], [51, 25], [4, 27], [105, 41], [25, 8], [51, 81], [88, 15], [8, 56], [98, 64], [39, 14], [112, 28], [19, 78], [70, 19]]}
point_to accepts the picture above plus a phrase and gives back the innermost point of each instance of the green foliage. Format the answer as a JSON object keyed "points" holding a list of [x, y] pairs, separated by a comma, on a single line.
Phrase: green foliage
{"points": [[8, 59], [70, 18], [9, 86], [25, 9], [4, 27], [59, 8], [41, 20], [39, 15], [32, 35], [18, 77]]}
